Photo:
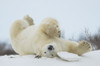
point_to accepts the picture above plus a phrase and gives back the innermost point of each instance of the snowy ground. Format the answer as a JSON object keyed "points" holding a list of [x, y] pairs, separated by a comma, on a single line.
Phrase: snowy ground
{"points": [[88, 59]]}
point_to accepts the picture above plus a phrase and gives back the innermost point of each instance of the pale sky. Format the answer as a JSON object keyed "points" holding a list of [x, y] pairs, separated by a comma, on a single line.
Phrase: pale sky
{"points": [[73, 15]]}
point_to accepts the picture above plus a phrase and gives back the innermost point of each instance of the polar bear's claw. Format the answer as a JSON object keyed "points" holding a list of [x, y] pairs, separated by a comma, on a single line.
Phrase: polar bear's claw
{"points": [[37, 56]]}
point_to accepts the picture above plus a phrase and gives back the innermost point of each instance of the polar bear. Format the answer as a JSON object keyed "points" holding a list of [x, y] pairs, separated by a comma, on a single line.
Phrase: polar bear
{"points": [[43, 40]]}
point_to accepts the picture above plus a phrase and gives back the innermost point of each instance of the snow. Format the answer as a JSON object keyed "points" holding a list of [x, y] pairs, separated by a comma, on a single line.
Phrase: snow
{"points": [[88, 59], [68, 56]]}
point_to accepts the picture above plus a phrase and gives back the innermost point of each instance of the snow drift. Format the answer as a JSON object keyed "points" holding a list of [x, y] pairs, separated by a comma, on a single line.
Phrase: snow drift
{"points": [[88, 59]]}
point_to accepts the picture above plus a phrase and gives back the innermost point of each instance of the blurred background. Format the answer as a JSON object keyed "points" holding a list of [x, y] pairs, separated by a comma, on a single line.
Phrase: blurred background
{"points": [[78, 19]]}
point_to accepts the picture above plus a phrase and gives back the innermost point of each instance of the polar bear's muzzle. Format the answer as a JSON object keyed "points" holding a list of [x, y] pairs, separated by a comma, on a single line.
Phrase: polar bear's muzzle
{"points": [[49, 50]]}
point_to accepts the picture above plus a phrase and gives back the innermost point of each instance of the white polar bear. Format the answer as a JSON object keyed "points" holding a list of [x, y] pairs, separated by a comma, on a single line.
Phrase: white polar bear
{"points": [[43, 40]]}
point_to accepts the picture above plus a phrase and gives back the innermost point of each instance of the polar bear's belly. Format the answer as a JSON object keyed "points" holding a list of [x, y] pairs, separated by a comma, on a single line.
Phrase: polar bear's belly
{"points": [[23, 43]]}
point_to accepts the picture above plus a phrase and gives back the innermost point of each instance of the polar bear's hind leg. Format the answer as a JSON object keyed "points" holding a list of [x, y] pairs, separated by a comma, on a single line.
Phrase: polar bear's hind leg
{"points": [[20, 25], [29, 20]]}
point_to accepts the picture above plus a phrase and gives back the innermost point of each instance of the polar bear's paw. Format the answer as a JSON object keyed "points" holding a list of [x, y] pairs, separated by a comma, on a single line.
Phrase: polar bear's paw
{"points": [[50, 27], [29, 20], [83, 47]]}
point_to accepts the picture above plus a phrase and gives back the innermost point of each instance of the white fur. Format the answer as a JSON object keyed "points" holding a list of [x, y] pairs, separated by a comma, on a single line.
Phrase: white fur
{"points": [[27, 38]]}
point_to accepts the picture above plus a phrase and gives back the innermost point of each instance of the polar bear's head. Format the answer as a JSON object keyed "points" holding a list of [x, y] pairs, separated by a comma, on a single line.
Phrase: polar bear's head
{"points": [[50, 50]]}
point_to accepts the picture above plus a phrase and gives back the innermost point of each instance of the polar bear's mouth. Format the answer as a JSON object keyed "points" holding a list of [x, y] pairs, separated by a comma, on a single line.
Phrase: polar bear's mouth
{"points": [[50, 54], [50, 50]]}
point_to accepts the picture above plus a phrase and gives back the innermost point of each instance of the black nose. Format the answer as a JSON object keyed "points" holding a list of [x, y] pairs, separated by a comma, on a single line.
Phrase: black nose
{"points": [[50, 47]]}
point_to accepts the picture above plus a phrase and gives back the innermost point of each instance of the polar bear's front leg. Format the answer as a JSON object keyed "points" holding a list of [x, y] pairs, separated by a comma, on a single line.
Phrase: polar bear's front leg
{"points": [[83, 47], [20, 25]]}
